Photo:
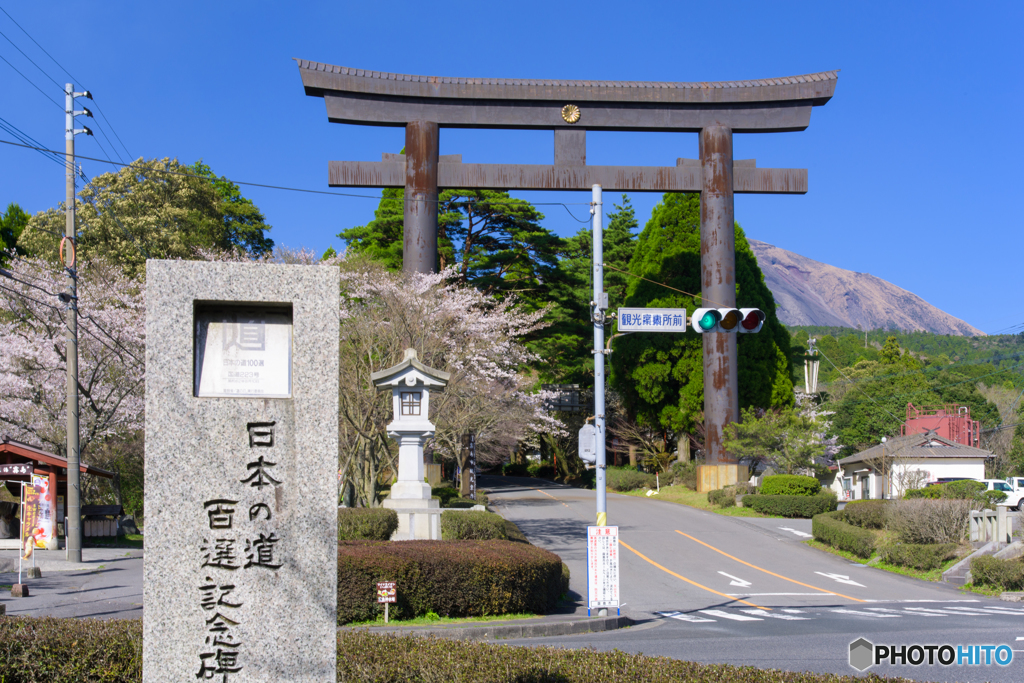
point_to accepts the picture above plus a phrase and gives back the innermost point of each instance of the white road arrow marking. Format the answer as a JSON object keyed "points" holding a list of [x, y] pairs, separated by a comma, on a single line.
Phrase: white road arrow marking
{"points": [[773, 615], [736, 581], [866, 614], [794, 531], [728, 615], [841, 578], [686, 617]]}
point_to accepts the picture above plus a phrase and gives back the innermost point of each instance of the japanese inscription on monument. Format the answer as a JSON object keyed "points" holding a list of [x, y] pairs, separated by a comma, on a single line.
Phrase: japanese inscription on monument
{"points": [[241, 538]]}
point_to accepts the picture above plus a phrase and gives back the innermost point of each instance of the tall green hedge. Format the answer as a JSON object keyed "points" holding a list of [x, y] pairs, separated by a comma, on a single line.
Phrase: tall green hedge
{"points": [[829, 528], [450, 578], [789, 485], [791, 506], [366, 524]]}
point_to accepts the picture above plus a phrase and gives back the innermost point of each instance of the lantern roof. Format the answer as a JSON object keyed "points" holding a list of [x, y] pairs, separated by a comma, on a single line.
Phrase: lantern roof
{"points": [[410, 372]]}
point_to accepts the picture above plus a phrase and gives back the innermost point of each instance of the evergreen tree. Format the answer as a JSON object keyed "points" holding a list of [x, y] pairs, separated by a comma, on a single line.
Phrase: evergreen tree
{"points": [[494, 241], [567, 341], [12, 223], [660, 376]]}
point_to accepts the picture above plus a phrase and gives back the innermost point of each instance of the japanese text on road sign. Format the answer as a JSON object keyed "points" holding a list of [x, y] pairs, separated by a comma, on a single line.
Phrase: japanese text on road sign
{"points": [[602, 566], [652, 320]]}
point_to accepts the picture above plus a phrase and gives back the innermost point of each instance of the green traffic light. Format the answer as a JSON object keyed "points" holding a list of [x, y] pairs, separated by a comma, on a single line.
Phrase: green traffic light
{"points": [[708, 321]]}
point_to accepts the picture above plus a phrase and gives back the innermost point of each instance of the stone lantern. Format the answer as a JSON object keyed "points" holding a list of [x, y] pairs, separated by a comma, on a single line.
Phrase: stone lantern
{"points": [[411, 383]]}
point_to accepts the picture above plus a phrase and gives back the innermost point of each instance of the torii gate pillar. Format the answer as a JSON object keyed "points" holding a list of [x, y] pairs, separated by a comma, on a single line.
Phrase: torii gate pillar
{"points": [[419, 249], [718, 288]]}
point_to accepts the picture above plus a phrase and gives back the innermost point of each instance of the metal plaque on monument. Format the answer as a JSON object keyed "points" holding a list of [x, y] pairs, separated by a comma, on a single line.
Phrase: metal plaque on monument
{"points": [[240, 571]]}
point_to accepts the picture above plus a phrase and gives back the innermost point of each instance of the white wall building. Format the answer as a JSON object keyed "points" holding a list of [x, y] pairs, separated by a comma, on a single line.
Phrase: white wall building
{"points": [[906, 462]]}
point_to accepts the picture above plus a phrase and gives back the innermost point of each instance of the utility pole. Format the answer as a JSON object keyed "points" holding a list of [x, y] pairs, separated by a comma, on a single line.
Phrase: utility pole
{"points": [[597, 308], [73, 533]]}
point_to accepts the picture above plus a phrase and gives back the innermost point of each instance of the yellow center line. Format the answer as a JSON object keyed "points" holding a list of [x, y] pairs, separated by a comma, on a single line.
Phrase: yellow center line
{"points": [[693, 583], [550, 496], [799, 583]]}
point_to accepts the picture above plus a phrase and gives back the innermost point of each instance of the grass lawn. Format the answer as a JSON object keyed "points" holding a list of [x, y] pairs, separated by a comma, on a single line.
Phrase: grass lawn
{"points": [[685, 496], [128, 541], [434, 620]]}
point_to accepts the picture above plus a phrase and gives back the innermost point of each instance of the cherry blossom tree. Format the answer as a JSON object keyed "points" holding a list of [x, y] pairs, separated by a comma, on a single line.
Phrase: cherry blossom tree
{"points": [[111, 344]]}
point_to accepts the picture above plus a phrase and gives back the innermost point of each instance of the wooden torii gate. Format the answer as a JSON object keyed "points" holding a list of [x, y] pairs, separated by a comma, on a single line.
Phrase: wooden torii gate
{"points": [[715, 110]]}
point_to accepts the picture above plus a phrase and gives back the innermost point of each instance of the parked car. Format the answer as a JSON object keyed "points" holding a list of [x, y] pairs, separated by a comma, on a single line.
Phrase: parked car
{"points": [[1016, 483], [1013, 498]]}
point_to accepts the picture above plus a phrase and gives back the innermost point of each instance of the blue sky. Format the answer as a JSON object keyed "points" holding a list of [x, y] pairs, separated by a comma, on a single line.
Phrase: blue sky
{"points": [[914, 165]]}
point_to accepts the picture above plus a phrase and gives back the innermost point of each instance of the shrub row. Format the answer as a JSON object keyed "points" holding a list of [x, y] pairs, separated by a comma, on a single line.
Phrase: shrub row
{"points": [[990, 571], [723, 497], [366, 524], [929, 521], [515, 469], [919, 556], [628, 479], [790, 485], [791, 506], [50, 649], [444, 494], [542, 470], [450, 578], [472, 525], [830, 529], [40, 649], [867, 514]]}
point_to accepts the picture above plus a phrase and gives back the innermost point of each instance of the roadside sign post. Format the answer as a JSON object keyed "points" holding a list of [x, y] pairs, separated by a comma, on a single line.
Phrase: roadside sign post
{"points": [[387, 593], [602, 569]]}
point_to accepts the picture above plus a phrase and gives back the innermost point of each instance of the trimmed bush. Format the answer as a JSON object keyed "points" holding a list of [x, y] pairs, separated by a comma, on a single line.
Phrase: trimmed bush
{"points": [[472, 525], [51, 649], [790, 485], [965, 489], [515, 469], [930, 492], [990, 571], [366, 524], [725, 498], [830, 529], [444, 494], [40, 649], [919, 556], [791, 506], [628, 479], [544, 470], [463, 502], [867, 514], [450, 578]]}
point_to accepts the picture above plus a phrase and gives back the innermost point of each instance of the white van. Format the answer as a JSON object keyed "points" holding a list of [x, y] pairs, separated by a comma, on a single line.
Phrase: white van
{"points": [[1016, 483]]}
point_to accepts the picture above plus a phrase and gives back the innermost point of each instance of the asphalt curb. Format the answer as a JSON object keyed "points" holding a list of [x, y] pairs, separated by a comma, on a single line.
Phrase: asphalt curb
{"points": [[504, 631]]}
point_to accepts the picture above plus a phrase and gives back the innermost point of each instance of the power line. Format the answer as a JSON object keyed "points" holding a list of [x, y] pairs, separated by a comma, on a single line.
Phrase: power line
{"points": [[290, 189], [30, 82], [660, 284], [30, 59]]}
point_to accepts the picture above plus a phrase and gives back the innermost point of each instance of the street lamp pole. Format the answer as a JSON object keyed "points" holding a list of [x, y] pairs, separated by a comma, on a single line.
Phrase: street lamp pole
{"points": [[886, 484]]}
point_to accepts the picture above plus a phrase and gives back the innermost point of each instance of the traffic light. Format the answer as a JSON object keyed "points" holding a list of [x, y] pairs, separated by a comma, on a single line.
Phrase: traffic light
{"points": [[744, 320]]}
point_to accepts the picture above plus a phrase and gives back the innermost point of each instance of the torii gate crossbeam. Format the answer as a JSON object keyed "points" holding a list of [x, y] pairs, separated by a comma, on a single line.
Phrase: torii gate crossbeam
{"points": [[715, 110]]}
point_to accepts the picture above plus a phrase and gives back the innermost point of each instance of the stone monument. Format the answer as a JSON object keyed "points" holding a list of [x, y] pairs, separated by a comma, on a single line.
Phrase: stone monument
{"points": [[240, 571], [410, 383]]}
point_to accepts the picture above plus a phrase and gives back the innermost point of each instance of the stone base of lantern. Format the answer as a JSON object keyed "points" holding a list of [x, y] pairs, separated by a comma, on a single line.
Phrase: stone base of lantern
{"points": [[417, 519]]}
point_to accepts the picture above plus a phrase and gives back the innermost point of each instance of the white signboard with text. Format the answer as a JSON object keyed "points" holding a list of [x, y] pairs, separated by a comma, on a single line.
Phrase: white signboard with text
{"points": [[602, 567], [243, 353], [652, 320]]}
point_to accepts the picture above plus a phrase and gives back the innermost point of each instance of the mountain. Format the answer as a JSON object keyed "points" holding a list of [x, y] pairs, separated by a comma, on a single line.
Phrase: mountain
{"points": [[809, 292]]}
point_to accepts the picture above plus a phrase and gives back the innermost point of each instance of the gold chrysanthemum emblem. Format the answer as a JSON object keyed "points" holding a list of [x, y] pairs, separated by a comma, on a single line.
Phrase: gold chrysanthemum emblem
{"points": [[570, 113]]}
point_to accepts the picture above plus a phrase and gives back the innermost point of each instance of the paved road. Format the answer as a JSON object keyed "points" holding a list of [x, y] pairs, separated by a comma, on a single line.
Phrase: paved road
{"points": [[108, 585], [711, 588]]}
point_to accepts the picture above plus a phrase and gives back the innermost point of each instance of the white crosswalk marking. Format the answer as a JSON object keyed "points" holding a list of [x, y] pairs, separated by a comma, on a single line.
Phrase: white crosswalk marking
{"points": [[928, 612], [883, 609], [728, 615], [794, 611], [866, 614], [686, 617], [774, 615], [979, 610]]}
